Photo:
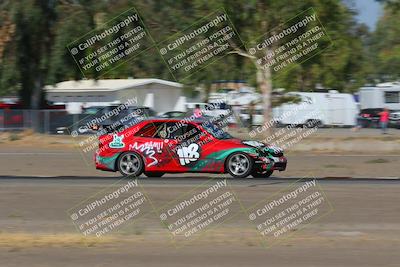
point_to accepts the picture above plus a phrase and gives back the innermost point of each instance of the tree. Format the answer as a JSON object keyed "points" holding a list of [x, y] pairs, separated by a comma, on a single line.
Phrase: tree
{"points": [[43, 29], [385, 44], [33, 41], [9, 77]]}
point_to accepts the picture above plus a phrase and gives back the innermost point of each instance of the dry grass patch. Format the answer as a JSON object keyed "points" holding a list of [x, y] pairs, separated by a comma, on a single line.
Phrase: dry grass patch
{"points": [[24, 240]]}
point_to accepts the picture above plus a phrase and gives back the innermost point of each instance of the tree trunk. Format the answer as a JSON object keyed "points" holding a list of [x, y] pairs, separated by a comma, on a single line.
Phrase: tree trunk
{"points": [[35, 103], [264, 82], [36, 93]]}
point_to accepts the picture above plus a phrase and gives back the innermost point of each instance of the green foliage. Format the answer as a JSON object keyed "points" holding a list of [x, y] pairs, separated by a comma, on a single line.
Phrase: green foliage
{"points": [[385, 44], [285, 99], [37, 53]]}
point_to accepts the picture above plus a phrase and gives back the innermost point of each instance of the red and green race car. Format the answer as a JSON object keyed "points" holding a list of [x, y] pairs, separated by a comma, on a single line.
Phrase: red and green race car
{"points": [[158, 146]]}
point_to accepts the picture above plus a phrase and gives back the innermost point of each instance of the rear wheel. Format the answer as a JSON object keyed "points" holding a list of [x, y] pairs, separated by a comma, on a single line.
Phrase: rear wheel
{"points": [[130, 164], [262, 174], [239, 165], [154, 174]]}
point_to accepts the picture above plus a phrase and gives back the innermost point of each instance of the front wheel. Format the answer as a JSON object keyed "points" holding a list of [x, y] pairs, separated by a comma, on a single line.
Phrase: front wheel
{"points": [[262, 174], [239, 165], [130, 164]]}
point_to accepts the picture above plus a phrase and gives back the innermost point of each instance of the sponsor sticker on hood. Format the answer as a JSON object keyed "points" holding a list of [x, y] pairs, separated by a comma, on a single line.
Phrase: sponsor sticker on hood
{"points": [[257, 144], [254, 143], [275, 149]]}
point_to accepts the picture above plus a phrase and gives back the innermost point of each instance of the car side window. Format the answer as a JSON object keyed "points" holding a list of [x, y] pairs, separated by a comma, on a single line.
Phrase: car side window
{"points": [[190, 131], [148, 130], [168, 130], [154, 130], [161, 131], [175, 130], [180, 131], [186, 132]]}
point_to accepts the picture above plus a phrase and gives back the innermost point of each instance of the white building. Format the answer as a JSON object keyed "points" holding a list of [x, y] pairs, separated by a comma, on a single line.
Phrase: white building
{"points": [[160, 95]]}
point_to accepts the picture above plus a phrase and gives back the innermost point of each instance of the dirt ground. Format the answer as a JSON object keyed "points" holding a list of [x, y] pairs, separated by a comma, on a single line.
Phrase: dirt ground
{"points": [[361, 230]]}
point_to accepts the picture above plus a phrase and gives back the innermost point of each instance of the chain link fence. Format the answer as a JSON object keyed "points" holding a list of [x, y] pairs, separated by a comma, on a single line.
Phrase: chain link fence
{"points": [[41, 121]]}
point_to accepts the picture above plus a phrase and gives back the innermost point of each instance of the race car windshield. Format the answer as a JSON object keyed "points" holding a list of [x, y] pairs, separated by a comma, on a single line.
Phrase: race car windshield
{"points": [[215, 131]]}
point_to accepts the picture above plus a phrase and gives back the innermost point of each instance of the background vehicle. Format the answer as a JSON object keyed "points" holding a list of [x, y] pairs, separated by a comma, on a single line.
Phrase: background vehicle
{"points": [[380, 96], [394, 119], [369, 118], [110, 116], [330, 108], [258, 115], [218, 109], [242, 96], [173, 114], [10, 116]]}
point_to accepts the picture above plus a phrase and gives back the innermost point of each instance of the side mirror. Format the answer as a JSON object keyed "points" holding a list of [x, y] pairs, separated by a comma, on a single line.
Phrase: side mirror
{"points": [[95, 127]]}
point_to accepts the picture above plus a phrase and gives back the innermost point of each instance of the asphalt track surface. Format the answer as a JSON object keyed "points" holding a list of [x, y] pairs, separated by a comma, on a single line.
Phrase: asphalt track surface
{"points": [[185, 180], [362, 230]]}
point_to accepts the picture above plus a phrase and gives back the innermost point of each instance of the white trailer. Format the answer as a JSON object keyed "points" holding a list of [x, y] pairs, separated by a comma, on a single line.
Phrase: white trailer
{"points": [[243, 96], [330, 108], [380, 96]]}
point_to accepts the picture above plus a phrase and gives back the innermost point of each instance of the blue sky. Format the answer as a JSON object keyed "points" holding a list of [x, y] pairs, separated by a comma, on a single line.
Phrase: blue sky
{"points": [[369, 11]]}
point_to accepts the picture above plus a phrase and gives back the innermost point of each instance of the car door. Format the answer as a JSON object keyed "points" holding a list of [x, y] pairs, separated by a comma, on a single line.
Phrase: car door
{"points": [[189, 147], [151, 143]]}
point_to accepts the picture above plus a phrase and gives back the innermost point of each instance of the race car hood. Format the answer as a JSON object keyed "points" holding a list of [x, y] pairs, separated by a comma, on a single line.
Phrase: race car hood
{"points": [[264, 147]]}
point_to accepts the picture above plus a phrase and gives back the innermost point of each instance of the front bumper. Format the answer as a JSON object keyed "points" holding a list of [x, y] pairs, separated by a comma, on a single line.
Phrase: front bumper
{"points": [[273, 163], [280, 166]]}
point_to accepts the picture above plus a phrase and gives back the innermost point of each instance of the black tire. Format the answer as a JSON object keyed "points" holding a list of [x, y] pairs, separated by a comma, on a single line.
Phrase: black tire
{"points": [[134, 169], [239, 165], [262, 175], [154, 174], [313, 123]]}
